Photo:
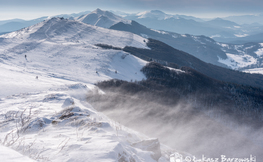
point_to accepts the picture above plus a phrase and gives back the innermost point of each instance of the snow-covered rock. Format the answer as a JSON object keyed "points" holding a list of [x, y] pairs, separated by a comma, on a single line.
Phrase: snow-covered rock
{"points": [[152, 145], [68, 102]]}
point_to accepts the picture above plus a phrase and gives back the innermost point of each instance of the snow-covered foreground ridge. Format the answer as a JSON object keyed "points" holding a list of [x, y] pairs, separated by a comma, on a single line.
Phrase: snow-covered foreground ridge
{"points": [[45, 71], [58, 125]]}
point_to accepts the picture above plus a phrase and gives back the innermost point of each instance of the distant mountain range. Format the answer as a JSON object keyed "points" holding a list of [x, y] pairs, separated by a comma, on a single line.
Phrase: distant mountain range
{"points": [[246, 19], [159, 15], [62, 28], [256, 38], [228, 30], [218, 29], [202, 47]]}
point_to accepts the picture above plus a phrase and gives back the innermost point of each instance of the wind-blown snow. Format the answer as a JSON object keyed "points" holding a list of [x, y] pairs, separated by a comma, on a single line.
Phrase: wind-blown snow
{"points": [[46, 71], [55, 132]]}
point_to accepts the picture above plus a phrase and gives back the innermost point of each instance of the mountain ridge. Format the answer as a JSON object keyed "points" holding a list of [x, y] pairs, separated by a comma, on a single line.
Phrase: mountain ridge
{"points": [[201, 47], [101, 18], [163, 52]]}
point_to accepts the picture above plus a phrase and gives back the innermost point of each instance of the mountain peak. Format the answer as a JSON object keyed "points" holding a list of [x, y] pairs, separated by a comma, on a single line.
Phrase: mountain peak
{"points": [[222, 22], [98, 11], [102, 18], [153, 14], [218, 19], [157, 12]]}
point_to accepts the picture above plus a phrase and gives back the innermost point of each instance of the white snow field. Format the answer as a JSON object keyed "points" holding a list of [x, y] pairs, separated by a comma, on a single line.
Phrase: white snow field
{"points": [[235, 61], [254, 71], [45, 71], [8, 155], [243, 56]]}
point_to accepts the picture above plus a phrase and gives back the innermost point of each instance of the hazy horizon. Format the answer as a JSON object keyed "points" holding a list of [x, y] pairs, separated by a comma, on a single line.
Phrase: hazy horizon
{"points": [[29, 9]]}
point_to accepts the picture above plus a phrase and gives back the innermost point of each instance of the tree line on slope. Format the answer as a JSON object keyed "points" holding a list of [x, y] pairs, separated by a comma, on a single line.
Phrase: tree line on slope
{"points": [[172, 87], [164, 53]]}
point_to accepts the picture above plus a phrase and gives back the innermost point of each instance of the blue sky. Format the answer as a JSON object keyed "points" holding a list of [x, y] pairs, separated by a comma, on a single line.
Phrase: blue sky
{"points": [[29, 9]]}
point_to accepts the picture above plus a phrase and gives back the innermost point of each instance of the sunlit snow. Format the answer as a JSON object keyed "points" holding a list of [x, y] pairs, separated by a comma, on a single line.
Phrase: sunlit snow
{"points": [[46, 71], [237, 61]]}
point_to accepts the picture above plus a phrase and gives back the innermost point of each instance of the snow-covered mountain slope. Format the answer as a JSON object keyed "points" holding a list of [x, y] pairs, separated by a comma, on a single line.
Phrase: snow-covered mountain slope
{"points": [[244, 56], [64, 30], [153, 14], [201, 47], [61, 48], [46, 71], [204, 48], [7, 26], [101, 18]]}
